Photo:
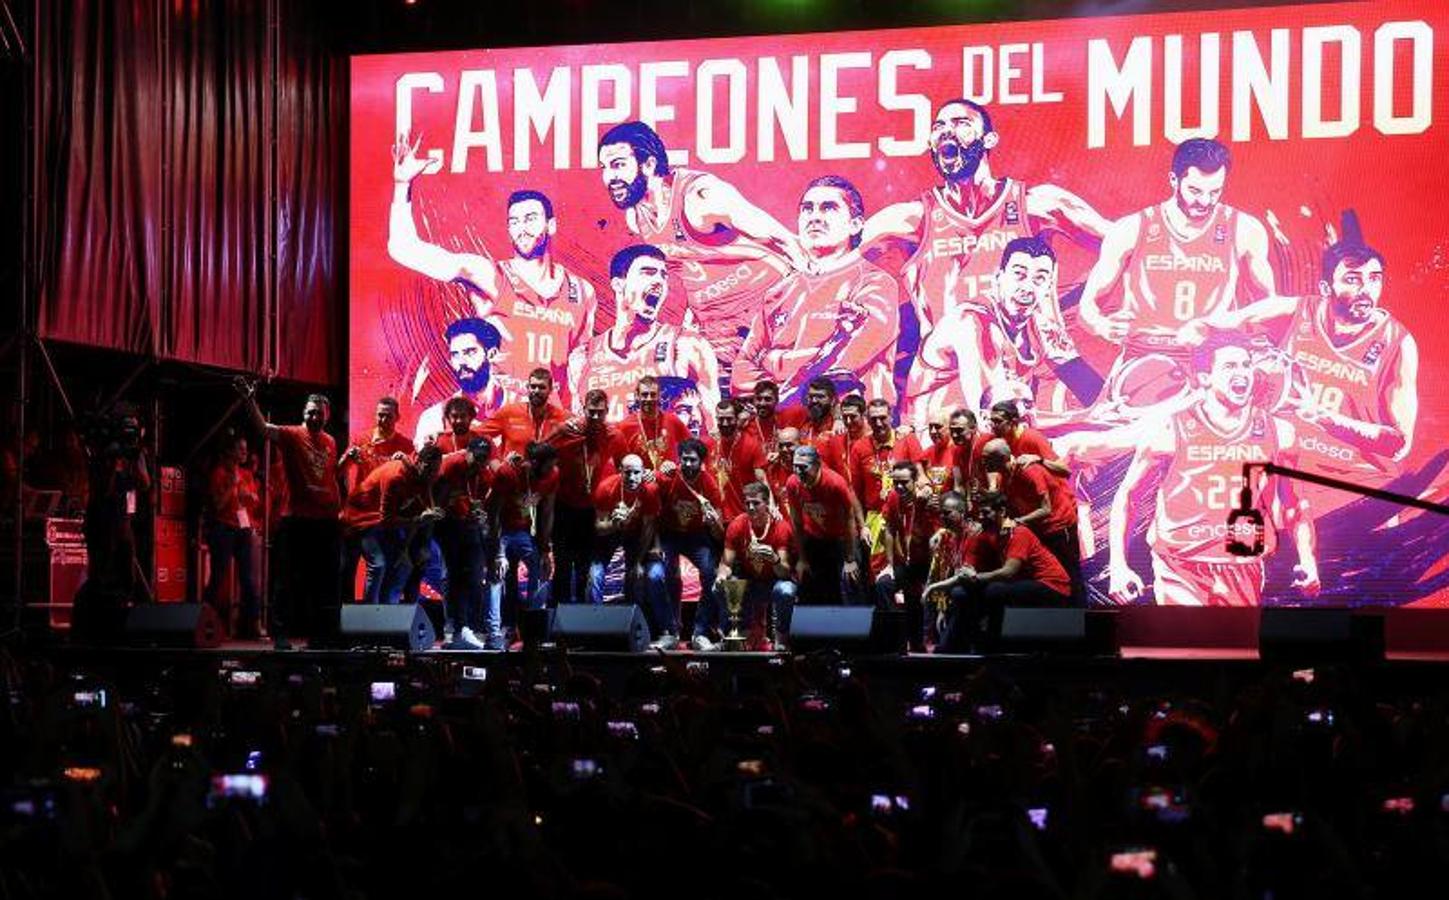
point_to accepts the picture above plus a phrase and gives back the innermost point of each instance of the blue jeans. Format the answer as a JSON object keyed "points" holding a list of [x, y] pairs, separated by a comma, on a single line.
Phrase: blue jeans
{"points": [[702, 552], [761, 595], [415, 558], [517, 547], [381, 551], [655, 597]]}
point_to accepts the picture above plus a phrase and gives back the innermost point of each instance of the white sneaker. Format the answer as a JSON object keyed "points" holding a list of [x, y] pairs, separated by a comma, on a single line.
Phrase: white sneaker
{"points": [[467, 637], [665, 641], [702, 644]]}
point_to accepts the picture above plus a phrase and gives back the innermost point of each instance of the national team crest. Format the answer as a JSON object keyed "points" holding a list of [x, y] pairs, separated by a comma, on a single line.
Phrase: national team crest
{"points": [[1013, 213], [679, 235], [661, 352], [1154, 232], [1259, 429], [574, 291], [1220, 233], [1373, 354]]}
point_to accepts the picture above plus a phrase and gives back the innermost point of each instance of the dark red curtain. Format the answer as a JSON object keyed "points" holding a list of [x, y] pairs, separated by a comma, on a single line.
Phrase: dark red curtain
{"points": [[190, 182]]}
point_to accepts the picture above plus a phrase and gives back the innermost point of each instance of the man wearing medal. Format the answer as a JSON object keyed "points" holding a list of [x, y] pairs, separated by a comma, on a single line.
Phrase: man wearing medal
{"points": [[583, 445], [691, 525], [626, 516], [872, 459], [650, 433], [906, 546], [523, 506], [758, 551]]}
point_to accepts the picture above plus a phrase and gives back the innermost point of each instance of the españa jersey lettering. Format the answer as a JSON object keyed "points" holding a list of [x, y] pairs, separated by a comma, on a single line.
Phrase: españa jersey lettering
{"points": [[1174, 279], [544, 329], [956, 260], [723, 272], [1352, 380], [1202, 483], [616, 373]]}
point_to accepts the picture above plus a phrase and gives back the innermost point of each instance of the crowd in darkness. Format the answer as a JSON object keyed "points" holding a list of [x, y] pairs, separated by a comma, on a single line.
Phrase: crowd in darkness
{"points": [[542, 776]]}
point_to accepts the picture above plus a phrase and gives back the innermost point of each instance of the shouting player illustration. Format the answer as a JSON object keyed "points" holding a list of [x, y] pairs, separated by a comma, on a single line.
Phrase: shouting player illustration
{"points": [[1356, 368], [955, 233], [725, 250], [639, 344], [1197, 454]]}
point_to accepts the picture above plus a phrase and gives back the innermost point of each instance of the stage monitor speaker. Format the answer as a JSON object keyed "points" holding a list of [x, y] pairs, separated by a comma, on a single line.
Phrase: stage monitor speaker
{"points": [[1077, 631], [399, 626], [1310, 635], [835, 627], [184, 625], [584, 626]]}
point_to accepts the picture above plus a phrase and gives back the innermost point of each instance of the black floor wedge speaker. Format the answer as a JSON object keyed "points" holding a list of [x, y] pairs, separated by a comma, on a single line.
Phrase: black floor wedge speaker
{"points": [[185, 625], [1076, 631], [617, 627], [834, 627], [398, 626]]}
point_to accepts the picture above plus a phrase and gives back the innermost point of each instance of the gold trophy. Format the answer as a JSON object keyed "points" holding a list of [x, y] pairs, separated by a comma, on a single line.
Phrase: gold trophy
{"points": [[734, 602]]}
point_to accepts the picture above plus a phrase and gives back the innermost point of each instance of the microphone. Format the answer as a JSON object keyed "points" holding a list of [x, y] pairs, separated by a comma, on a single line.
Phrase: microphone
{"points": [[1245, 526]]}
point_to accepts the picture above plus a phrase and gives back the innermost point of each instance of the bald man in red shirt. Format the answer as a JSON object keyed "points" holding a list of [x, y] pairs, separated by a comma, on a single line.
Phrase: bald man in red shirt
{"points": [[1041, 501]]}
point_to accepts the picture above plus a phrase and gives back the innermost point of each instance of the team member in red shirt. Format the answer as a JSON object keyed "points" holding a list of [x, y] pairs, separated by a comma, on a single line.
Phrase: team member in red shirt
{"points": [[737, 458], [309, 538], [780, 470], [583, 446], [871, 459], [230, 529], [516, 425], [764, 422], [968, 441], [874, 455], [819, 427], [627, 517], [825, 517], [691, 525], [1006, 423], [460, 415], [370, 449], [938, 461], [389, 515], [649, 433], [906, 540], [757, 549], [523, 500], [1041, 501], [1004, 565], [462, 491]]}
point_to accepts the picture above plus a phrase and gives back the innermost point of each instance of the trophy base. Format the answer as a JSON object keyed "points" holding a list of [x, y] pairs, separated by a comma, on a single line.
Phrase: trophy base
{"points": [[733, 643]]}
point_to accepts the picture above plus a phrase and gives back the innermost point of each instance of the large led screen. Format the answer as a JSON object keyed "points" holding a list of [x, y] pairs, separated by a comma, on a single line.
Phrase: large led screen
{"points": [[1181, 242]]}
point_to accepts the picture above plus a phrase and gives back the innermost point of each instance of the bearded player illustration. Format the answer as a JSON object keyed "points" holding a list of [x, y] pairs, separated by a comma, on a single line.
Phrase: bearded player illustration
{"points": [[1185, 259], [1197, 454], [1355, 367], [725, 250], [955, 232], [841, 317], [542, 308], [639, 344]]}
